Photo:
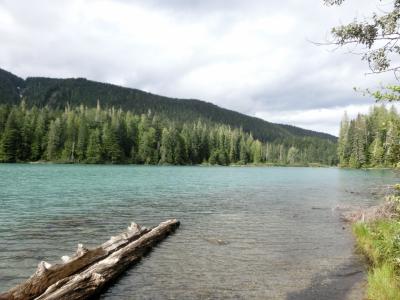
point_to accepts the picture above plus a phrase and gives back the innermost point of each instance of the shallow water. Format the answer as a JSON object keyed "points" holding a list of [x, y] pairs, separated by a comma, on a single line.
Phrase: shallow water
{"points": [[282, 239]]}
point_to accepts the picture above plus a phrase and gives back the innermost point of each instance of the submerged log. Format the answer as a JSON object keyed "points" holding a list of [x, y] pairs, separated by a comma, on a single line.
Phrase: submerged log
{"points": [[93, 280], [47, 274]]}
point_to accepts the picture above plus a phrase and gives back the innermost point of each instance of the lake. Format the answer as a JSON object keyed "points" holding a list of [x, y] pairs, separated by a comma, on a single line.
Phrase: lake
{"points": [[282, 237]]}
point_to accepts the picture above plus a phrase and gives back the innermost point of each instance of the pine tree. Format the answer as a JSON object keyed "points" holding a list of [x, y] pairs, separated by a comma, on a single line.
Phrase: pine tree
{"points": [[282, 154], [358, 156], [179, 153], [343, 140], [26, 132], [292, 156], [82, 141], [94, 148], [223, 159], [69, 149], [244, 156], [234, 148], [148, 146], [54, 140], [392, 145], [39, 136], [257, 152], [112, 150], [167, 156], [376, 152], [213, 159], [11, 139]]}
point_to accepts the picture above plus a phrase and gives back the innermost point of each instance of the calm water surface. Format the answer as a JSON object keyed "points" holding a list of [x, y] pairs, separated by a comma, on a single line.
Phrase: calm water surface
{"points": [[282, 237]]}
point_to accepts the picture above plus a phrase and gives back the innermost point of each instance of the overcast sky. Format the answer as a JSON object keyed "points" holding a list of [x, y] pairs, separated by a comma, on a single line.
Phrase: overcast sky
{"points": [[252, 56]]}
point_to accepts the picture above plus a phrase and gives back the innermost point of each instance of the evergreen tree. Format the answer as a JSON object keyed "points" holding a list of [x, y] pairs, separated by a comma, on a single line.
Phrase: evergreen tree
{"points": [[244, 156], [39, 137], [343, 140], [94, 149], [54, 140], [11, 139], [26, 132], [147, 147], [392, 145], [82, 141], [292, 156], [112, 150], [234, 147], [257, 152], [376, 152], [167, 143], [69, 150]]}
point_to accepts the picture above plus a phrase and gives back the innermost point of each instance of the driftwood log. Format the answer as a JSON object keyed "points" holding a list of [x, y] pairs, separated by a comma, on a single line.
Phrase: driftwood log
{"points": [[90, 271]]}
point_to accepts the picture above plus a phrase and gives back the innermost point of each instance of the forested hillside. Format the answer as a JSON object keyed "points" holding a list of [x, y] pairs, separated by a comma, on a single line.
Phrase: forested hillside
{"points": [[10, 87], [370, 140], [57, 93], [61, 120], [96, 135]]}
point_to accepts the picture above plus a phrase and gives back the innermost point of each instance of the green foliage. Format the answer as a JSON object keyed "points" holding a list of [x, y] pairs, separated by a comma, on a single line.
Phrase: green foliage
{"points": [[383, 283], [292, 156], [11, 139], [379, 36], [388, 93], [380, 242], [95, 135], [370, 140], [54, 140], [94, 148]]}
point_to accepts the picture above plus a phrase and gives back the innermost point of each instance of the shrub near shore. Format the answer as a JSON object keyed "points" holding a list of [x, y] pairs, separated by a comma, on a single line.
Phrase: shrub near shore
{"points": [[378, 238]]}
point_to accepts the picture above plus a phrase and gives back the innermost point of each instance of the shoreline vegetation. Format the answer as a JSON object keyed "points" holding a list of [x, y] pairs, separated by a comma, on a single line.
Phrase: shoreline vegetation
{"points": [[114, 136], [206, 164], [249, 165], [377, 233]]}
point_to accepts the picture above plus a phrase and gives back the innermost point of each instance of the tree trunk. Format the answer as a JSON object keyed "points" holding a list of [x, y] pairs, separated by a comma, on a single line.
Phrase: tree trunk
{"points": [[94, 279], [48, 275]]}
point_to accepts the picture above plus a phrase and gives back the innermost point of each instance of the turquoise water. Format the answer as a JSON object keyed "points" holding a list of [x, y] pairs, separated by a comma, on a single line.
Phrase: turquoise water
{"points": [[282, 236]]}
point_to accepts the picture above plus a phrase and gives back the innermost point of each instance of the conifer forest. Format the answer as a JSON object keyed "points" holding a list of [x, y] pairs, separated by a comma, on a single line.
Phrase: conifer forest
{"points": [[96, 135]]}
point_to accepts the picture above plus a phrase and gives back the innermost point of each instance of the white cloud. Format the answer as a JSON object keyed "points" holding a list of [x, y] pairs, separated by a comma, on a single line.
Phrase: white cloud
{"points": [[321, 119], [252, 56]]}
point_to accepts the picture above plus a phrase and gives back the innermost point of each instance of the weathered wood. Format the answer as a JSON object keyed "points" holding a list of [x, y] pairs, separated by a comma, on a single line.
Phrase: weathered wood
{"points": [[46, 274], [94, 279]]}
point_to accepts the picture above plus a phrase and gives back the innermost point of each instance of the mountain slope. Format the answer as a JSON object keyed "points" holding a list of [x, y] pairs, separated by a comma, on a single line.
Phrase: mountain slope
{"points": [[57, 93], [10, 87]]}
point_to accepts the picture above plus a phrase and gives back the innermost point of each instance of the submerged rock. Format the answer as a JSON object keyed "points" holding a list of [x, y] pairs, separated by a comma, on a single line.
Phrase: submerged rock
{"points": [[215, 241]]}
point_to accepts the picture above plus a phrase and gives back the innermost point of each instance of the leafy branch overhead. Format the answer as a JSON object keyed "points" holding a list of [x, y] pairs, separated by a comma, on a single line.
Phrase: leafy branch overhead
{"points": [[388, 93], [378, 35]]}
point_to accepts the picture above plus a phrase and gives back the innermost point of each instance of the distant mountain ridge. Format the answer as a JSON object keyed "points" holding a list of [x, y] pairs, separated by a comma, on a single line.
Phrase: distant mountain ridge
{"points": [[57, 93]]}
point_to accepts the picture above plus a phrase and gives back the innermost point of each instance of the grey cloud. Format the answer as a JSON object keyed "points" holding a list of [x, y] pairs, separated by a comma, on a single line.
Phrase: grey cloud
{"points": [[251, 56]]}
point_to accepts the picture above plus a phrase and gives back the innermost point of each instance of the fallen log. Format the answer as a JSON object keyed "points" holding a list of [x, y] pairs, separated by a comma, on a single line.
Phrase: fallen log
{"points": [[91, 281], [47, 274]]}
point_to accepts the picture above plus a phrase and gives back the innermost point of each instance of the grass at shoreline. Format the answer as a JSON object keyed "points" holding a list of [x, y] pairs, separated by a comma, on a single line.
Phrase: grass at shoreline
{"points": [[379, 241]]}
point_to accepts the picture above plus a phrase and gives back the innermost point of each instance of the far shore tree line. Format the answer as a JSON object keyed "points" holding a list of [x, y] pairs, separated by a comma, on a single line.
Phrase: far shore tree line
{"points": [[371, 140], [96, 135]]}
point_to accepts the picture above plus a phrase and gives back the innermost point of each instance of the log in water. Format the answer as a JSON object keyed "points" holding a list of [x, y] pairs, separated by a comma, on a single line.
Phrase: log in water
{"points": [[89, 271]]}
